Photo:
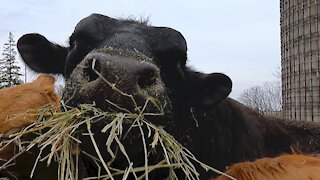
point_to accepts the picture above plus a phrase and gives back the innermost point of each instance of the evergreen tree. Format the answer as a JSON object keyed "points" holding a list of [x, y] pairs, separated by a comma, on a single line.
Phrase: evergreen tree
{"points": [[9, 70]]}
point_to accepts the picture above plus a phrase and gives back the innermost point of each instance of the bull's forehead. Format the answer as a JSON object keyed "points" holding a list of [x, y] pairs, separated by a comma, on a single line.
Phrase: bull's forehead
{"points": [[127, 41], [100, 26], [105, 31]]}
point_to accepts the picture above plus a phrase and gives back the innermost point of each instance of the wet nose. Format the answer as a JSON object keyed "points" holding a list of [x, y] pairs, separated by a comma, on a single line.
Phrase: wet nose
{"points": [[125, 71]]}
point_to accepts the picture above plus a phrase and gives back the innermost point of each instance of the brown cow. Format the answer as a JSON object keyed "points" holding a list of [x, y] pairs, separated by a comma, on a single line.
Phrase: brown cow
{"points": [[285, 167], [19, 104]]}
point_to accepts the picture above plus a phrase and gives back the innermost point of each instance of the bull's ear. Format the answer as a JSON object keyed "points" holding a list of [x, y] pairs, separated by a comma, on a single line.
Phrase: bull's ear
{"points": [[41, 55], [210, 89]]}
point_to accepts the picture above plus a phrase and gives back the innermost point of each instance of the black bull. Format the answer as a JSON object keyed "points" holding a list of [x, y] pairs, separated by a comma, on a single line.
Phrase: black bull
{"points": [[145, 61]]}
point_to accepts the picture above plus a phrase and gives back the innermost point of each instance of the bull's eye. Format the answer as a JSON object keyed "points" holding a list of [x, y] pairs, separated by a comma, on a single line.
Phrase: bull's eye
{"points": [[91, 70]]}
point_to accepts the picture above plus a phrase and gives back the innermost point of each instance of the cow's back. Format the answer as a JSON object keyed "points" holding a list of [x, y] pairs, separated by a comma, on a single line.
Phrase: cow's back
{"points": [[286, 167]]}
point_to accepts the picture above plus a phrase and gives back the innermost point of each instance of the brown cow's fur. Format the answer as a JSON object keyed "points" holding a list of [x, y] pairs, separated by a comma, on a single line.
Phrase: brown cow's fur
{"points": [[19, 105], [285, 167], [30, 97]]}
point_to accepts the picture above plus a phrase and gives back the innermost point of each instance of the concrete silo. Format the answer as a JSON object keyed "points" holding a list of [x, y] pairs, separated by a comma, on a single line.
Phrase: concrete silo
{"points": [[300, 58]]}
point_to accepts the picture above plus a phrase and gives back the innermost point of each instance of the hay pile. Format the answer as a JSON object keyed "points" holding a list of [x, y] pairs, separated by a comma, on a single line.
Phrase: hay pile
{"points": [[58, 131]]}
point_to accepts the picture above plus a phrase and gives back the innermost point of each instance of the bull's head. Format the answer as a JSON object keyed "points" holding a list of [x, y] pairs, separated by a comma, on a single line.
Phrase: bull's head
{"points": [[119, 64]]}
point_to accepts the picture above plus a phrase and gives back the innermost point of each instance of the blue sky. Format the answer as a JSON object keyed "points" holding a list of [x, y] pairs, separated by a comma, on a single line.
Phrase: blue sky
{"points": [[238, 38]]}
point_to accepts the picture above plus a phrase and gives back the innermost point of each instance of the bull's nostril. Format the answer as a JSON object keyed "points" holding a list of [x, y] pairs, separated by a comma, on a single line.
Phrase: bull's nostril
{"points": [[92, 70], [148, 78]]}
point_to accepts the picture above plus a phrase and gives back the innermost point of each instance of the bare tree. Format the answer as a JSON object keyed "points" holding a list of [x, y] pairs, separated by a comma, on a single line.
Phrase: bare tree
{"points": [[263, 98]]}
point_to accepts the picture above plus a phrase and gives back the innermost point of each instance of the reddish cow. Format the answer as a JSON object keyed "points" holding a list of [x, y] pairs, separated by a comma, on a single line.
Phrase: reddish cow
{"points": [[19, 105], [30, 97], [285, 167]]}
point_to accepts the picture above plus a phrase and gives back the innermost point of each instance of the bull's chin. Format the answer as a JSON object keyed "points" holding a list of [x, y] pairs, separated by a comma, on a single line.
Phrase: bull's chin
{"points": [[131, 139]]}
